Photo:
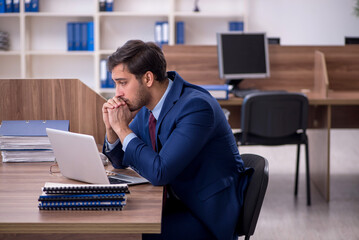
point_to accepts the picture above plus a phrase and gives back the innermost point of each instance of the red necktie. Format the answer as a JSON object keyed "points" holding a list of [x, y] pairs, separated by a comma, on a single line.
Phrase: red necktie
{"points": [[152, 127]]}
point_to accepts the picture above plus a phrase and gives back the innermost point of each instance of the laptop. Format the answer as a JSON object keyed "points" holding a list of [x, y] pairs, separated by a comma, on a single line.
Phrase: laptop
{"points": [[78, 158]]}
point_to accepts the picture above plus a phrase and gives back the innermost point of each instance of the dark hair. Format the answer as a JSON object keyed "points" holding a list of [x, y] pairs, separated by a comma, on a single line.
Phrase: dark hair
{"points": [[139, 57]]}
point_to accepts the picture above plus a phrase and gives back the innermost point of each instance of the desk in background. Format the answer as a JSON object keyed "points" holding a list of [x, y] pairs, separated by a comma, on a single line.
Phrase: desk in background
{"points": [[20, 218], [328, 75]]}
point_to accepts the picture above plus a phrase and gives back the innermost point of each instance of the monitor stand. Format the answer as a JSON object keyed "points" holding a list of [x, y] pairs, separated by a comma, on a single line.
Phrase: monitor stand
{"points": [[240, 92]]}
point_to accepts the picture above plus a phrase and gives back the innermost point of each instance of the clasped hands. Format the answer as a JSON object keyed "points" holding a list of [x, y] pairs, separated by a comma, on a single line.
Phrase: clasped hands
{"points": [[117, 116]]}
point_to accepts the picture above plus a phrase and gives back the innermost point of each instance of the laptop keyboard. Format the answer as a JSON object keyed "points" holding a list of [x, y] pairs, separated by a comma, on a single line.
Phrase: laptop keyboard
{"points": [[117, 181]]}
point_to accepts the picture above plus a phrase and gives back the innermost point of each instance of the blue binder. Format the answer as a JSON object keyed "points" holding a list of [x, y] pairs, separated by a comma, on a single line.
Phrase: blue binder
{"points": [[90, 37], [109, 5], [180, 32], [32, 127], [34, 5], [2, 6], [83, 28], [8, 6], [236, 26], [70, 36], [77, 36], [16, 6], [110, 82], [27, 5]]}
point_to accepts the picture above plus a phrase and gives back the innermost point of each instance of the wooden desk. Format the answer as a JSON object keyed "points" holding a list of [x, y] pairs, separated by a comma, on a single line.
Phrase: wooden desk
{"points": [[20, 187]]}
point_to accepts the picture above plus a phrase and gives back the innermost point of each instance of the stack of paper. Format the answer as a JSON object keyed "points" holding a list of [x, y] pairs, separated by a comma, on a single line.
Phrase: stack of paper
{"points": [[57, 196], [27, 141]]}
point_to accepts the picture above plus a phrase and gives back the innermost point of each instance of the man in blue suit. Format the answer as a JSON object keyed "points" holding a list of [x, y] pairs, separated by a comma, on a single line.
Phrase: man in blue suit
{"points": [[193, 153]]}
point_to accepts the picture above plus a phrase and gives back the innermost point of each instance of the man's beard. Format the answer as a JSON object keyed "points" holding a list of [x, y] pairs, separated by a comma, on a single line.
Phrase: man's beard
{"points": [[140, 100]]}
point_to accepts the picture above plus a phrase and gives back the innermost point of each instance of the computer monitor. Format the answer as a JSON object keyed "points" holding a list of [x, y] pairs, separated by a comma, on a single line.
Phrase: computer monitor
{"points": [[242, 55]]}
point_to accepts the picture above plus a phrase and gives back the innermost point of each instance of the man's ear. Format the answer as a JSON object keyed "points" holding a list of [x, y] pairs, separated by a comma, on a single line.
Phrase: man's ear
{"points": [[148, 78]]}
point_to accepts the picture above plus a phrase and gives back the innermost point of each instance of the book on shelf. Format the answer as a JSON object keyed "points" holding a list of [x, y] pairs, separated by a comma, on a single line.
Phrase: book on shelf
{"points": [[27, 141], [70, 36], [27, 5], [219, 92], [34, 5], [236, 26], [31, 5], [2, 6], [84, 34], [180, 32], [8, 6], [105, 75], [102, 5], [77, 36], [109, 5], [58, 196], [16, 6], [90, 37]]}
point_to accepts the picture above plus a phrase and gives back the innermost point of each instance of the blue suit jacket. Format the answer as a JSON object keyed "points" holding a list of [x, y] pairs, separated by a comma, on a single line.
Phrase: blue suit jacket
{"points": [[198, 156]]}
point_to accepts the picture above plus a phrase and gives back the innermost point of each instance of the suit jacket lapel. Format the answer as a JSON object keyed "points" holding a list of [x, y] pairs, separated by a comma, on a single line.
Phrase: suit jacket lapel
{"points": [[171, 98]]}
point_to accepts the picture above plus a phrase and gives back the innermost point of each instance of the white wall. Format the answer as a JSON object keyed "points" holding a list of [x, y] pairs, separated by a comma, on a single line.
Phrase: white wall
{"points": [[304, 22]]}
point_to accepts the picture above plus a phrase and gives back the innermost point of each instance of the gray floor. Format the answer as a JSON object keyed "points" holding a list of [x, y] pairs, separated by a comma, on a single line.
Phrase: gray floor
{"points": [[285, 217]]}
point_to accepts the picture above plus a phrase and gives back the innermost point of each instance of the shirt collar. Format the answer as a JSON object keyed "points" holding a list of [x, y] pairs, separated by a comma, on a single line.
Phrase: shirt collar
{"points": [[157, 110]]}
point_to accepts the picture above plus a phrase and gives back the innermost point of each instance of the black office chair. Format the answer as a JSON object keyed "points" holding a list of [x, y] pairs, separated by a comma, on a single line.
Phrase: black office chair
{"points": [[254, 195], [276, 118]]}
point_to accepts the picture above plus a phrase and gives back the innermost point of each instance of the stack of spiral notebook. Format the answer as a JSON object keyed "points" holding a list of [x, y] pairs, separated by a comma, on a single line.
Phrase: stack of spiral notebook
{"points": [[56, 196]]}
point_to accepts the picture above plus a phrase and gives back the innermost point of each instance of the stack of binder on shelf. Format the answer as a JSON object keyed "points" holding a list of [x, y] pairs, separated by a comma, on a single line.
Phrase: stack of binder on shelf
{"points": [[9, 6], [161, 33], [219, 92], [27, 141], [4, 41], [57, 196], [106, 5], [80, 36]]}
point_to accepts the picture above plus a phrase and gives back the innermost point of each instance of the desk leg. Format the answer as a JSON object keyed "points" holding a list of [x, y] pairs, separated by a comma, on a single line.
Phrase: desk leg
{"points": [[319, 150]]}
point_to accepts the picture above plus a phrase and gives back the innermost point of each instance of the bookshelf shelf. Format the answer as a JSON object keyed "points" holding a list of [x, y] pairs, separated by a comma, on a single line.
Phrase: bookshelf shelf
{"points": [[57, 14], [38, 40], [10, 53], [206, 15], [60, 53], [131, 14]]}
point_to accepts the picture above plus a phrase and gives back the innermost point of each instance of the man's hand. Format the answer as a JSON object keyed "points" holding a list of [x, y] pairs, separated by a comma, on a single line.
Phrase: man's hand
{"points": [[112, 103], [117, 117]]}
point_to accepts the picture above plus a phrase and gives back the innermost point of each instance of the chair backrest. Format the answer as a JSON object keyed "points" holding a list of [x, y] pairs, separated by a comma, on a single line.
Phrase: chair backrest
{"points": [[254, 195], [274, 114]]}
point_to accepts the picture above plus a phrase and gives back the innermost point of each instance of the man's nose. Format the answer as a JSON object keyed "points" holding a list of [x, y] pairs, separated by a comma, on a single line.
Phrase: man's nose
{"points": [[119, 92]]}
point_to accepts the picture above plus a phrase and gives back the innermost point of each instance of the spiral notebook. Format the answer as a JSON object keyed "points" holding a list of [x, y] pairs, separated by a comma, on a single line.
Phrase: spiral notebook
{"points": [[78, 158], [58, 196]]}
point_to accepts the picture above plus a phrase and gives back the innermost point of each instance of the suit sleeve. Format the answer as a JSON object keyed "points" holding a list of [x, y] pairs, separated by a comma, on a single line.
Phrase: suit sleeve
{"points": [[116, 155], [193, 127]]}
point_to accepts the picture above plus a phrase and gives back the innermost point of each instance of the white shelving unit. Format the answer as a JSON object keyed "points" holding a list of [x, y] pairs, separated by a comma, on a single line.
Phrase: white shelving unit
{"points": [[38, 41]]}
